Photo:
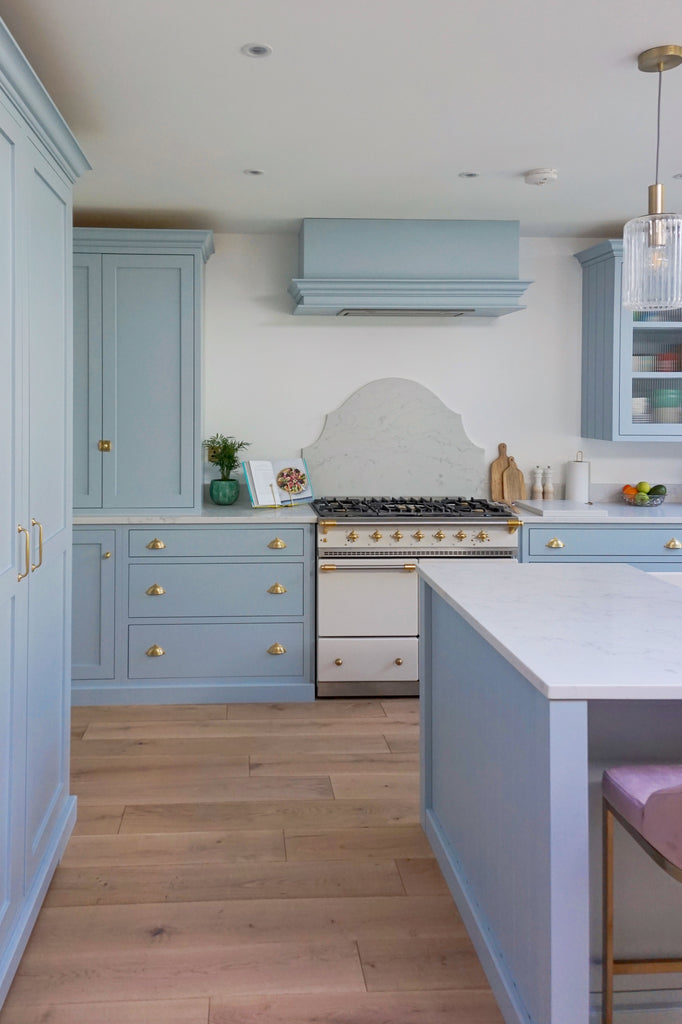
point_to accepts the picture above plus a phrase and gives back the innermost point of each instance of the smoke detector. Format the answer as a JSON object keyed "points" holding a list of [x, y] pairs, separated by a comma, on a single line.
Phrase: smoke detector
{"points": [[540, 176]]}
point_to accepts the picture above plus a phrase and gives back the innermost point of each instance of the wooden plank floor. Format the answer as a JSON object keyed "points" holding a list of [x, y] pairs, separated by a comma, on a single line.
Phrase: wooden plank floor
{"points": [[249, 864]]}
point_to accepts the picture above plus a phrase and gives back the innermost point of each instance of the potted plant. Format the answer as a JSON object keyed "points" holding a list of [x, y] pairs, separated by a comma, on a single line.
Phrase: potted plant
{"points": [[224, 452]]}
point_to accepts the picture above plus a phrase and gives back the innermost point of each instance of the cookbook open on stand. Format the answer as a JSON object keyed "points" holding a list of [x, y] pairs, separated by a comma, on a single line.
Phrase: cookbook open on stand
{"points": [[276, 483]]}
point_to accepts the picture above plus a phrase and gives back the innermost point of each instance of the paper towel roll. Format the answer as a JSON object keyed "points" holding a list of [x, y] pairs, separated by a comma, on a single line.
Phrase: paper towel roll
{"points": [[578, 480]]}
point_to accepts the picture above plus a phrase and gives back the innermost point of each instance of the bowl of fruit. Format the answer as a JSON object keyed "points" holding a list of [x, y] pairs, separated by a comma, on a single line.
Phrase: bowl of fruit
{"points": [[643, 495]]}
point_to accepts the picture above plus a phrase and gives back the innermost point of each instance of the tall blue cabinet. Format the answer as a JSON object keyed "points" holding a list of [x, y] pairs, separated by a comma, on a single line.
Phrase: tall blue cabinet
{"points": [[39, 162], [137, 369]]}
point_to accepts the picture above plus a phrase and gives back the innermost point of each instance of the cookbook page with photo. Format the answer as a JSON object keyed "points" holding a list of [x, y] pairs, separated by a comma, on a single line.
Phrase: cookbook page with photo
{"points": [[280, 482]]}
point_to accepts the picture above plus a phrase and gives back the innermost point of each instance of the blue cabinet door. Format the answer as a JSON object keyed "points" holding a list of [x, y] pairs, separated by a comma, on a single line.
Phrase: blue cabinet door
{"points": [[93, 622], [148, 410], [87, 380]]}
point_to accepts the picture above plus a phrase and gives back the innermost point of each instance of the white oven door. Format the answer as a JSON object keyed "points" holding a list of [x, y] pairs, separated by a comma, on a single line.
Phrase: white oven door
{"points": [[367, 597]]}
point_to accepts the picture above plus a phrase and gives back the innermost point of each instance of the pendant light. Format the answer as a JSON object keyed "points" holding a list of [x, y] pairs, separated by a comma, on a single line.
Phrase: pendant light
{"points": [[652, 245]]}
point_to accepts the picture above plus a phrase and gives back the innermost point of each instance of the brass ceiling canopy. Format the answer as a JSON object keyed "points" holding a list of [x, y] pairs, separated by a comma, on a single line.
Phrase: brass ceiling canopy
{"points": [[660, 58]]}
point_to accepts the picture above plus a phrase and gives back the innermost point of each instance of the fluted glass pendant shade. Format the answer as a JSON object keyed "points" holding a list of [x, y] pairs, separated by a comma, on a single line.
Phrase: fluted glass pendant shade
{"points": [[652, 262], [652, 245]]}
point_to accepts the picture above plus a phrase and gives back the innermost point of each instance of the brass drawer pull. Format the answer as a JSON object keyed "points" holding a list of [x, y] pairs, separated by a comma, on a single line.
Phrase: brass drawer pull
{"points": [[338, 661], [155, 590], [156, 544], [277, 588], [277, 649], [277, 543], [673, 544], [555, 543], [34, 522], [104, 446], [155, 651], [398, 661]]}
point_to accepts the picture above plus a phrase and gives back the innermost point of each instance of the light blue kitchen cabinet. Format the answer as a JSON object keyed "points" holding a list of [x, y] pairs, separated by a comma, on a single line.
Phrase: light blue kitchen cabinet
{"points": [[651, 547], [93, 617], [631, 363], [39, 161], [137, 370], [204, 613]]}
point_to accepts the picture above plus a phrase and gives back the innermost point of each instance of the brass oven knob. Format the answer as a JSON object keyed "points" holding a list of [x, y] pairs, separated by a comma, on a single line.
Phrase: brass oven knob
{"points": [[418, 535], [482, 535], [338, 661], [398, 661], [277, 543], [461, 535], [376, 535], [439, 535], [397, 535], [155, 590], [156, 544], [352, 536]]}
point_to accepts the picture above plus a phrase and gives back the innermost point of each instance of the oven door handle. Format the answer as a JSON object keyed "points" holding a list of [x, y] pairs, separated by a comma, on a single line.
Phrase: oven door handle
{"points": [[331, 567]]}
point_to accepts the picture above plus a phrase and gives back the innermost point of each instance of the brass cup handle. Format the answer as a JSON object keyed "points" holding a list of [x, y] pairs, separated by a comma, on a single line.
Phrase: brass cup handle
{"points": [[277, 649], [673, 544], [555, 543], [155, 651], [277, 543], [156, 544], [277, 588], [155, 590], [22, 575], [34, 522]]}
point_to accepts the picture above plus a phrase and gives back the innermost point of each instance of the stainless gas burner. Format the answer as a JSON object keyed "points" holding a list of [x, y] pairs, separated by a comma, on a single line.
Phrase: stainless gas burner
{"points": [[411, 508]]}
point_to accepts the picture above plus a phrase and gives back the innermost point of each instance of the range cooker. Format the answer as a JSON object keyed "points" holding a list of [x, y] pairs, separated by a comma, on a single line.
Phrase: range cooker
{"points": [[368, 550]]}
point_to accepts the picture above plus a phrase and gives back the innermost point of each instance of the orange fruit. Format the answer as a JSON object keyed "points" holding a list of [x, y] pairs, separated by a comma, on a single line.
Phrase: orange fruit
{"points": [[629, 489]]}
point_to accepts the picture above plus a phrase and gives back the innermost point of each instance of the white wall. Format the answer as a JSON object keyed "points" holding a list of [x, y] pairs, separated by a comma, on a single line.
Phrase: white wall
{"points": [[270, 377]]}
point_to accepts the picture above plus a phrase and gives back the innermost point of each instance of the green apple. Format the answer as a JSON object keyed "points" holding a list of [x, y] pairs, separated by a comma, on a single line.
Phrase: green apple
{"points": [[643, 487], [641, 498]]}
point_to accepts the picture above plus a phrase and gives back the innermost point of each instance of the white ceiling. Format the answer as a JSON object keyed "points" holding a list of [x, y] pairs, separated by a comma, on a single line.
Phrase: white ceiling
{"points": [[366, 108]]}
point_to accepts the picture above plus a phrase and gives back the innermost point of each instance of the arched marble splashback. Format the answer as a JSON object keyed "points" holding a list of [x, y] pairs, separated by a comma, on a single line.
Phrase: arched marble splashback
{"points": [[394, 437]]}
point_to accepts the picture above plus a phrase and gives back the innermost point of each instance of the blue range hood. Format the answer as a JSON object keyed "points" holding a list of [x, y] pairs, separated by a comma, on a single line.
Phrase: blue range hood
{"points": [[443, 268]]}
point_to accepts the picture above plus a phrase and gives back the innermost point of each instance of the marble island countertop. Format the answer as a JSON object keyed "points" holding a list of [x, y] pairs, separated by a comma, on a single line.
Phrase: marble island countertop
{"points": [[575, 631]]}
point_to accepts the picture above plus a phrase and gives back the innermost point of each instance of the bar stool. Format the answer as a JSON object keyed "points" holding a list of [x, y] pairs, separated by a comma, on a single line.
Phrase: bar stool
{"points": [[647, 801]]}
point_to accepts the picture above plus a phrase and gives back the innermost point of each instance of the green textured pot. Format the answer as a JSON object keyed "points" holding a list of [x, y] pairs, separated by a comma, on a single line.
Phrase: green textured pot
{"points": [[224, 492]]}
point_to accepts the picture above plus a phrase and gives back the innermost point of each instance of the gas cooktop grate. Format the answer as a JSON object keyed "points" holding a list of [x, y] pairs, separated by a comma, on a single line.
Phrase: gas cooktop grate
{"points": [[411, 508]]}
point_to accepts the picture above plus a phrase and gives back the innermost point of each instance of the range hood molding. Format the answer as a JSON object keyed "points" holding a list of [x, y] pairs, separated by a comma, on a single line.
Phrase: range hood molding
{"points": [[408, 268]]}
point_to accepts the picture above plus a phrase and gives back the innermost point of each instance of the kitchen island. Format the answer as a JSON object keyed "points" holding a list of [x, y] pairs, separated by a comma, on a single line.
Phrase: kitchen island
{"points": [[536, 678]]}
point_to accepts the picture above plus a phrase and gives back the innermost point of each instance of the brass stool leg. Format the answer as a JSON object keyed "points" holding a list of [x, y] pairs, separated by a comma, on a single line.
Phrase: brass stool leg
{"points": [[607, 915]]}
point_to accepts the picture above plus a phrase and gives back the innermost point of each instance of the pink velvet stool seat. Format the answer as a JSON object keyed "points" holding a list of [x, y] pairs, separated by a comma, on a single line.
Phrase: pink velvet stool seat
{"points": [[647, 801]]}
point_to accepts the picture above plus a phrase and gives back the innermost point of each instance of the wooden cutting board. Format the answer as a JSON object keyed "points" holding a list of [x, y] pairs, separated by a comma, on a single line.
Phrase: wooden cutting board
{"points": [[513, 484], [497, 468]]}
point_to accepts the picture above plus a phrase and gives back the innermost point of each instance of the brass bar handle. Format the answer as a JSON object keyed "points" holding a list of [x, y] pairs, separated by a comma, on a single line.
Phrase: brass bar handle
{"points": [[277, 649], [277, 543], [156, 544], [331, 567], [555, 543], [673, 544], [34, 522], [155, 651], [22, 575], [277, 588], [513, 525], [155, 590]]}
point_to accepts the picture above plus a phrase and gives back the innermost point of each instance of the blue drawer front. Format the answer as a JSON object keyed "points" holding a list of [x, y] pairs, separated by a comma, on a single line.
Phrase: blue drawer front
{"points": [[622, 543], [218, 589], [215, 651], [216, 542]]}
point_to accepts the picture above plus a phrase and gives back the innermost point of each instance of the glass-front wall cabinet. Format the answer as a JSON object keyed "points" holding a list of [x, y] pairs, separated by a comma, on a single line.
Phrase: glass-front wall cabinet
{"points": [[631, 362]]}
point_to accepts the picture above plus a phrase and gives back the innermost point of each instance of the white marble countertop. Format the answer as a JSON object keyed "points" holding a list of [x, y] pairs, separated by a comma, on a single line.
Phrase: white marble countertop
{"points": [[607, 512], [239, 513], [575, 631]]}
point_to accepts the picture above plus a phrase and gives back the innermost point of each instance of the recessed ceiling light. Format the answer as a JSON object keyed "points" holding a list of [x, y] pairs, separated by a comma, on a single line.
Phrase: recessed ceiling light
{"points": [[253, 171], [256, 50], [469, 174]]}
